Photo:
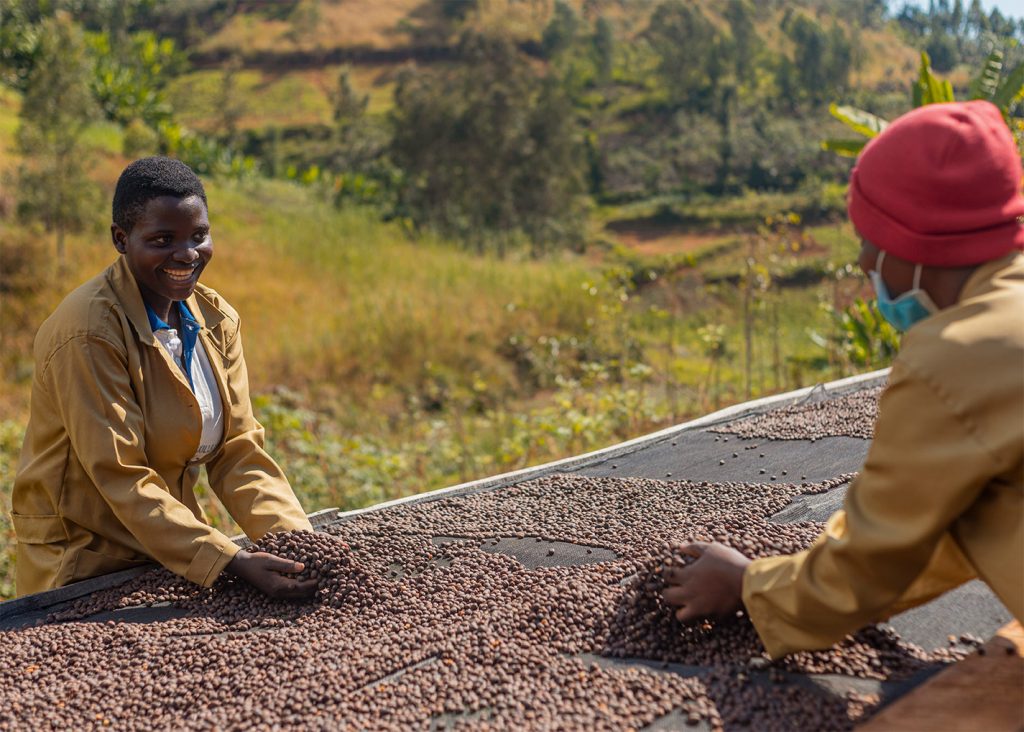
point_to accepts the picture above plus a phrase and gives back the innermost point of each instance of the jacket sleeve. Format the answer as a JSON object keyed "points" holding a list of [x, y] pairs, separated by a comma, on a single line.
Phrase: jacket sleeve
{"points": [[890, 547], [88, 378], [245, 478]]}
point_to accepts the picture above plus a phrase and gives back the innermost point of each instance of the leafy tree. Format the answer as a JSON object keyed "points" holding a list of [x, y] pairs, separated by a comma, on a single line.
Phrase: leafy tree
{"points": [[561, 31], [56, 109], [956, 19], [999, 24], [913, 20], [359, 149], [130, 74], [490, 150], [304, 18], [19, 43], [867, 13], [229, 101], [810, 55], [840, 57], [604, 48], [942, 50], [822, 60], [977, 21], [747, 43], [685, 43], [348, 104]]}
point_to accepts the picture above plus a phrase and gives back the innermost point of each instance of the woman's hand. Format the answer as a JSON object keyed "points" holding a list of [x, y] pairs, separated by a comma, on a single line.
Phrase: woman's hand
{"points": [[269, 574], [710, 586]]}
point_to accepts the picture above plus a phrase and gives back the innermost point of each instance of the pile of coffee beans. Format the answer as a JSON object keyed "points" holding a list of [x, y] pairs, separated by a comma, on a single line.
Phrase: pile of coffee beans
{"points": [[411, 632], [851, 415]]}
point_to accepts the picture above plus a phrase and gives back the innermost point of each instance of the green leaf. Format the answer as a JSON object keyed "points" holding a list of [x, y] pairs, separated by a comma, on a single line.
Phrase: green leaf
{"points": [[947, 91], [1011, 90], [986, 83], [929, 89], [858, 120], [846, 148]]}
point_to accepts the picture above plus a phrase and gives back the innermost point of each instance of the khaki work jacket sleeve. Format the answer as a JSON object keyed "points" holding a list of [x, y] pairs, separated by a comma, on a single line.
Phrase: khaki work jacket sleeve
{"points": [[890, 548], [245, 478], [88, 378]]}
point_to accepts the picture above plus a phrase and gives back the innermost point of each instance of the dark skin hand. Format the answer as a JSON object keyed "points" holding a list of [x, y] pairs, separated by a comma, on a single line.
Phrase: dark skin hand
{"points": [[709, 587], [269, 574]]}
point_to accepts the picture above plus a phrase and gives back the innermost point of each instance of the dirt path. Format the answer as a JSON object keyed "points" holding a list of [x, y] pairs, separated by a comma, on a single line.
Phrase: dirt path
{"points": [[655, 239]]}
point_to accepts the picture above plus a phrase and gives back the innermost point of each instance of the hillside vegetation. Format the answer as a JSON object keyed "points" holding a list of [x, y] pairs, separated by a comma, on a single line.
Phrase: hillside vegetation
{"points": [[469, 236]]}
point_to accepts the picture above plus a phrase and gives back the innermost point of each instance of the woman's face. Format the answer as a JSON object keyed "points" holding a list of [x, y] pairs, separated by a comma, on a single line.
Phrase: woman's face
{"points": [[167, 249]]}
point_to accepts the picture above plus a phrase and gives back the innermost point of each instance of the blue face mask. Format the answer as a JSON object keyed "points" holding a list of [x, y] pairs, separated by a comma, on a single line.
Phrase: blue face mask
{"points": [[913, 305]]}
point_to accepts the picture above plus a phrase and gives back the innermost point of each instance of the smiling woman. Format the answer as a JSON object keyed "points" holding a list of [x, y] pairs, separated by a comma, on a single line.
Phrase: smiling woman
{"points": [[124, 411], [167, 249]]}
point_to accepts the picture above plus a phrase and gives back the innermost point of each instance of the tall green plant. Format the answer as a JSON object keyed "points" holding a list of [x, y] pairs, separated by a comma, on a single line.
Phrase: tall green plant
{"points": [[58, 106], [866, 339]]}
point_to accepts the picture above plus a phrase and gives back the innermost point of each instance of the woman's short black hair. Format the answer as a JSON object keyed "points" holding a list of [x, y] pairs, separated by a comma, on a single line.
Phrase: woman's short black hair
{"points": [[149, 178]]}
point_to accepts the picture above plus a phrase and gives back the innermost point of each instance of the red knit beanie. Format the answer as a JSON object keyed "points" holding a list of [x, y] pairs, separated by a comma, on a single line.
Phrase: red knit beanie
{"points": [[941, 186]]}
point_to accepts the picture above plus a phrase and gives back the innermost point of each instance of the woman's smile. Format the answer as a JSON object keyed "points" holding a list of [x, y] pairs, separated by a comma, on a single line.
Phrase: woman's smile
{"points": [[180, 275]]}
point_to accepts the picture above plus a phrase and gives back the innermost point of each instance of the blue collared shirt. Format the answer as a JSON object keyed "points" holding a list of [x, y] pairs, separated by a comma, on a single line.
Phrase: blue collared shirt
{"points": [[190, 332]]}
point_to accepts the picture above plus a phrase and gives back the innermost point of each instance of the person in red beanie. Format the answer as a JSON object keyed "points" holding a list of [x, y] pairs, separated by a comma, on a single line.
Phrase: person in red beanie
{"points": [[936, 201]]}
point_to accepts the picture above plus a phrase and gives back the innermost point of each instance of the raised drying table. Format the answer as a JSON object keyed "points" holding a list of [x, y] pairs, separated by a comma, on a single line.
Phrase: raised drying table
{"points": [[695, 452]]}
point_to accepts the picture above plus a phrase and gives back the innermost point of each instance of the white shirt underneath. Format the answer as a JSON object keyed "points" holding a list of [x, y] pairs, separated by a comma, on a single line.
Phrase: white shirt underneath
{"points": [[204, 387]]}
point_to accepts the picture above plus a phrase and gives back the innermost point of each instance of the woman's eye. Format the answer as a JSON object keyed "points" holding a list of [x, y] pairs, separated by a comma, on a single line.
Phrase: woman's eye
{"points": [[201, 236], [162, 241]]}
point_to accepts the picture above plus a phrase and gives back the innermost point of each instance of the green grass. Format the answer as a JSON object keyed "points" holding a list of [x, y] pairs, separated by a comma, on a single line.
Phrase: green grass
{"points": [[103, 136], [372, 305], [747, 210], [287, 100], [10, 105]]}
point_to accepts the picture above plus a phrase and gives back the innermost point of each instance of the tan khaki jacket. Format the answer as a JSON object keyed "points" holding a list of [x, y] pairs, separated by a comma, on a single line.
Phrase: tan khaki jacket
{"points": [[105, 481], [940, 498]]}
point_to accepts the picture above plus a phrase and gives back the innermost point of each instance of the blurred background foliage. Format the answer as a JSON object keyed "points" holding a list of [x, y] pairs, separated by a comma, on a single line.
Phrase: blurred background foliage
{"points": [[467, 236]]}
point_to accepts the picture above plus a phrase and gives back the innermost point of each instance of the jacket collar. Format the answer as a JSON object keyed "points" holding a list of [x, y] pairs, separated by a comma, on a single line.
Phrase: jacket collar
{"points": [[980, 280], [126, 289]]}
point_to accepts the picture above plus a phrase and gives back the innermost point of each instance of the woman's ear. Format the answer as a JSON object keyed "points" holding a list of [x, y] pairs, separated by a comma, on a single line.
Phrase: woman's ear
{"points": [[119, 238]]}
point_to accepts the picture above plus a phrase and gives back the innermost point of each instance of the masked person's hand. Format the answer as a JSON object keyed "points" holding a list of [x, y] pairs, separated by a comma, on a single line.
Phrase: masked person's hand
{"points": [[270, 575], [710, 586]]}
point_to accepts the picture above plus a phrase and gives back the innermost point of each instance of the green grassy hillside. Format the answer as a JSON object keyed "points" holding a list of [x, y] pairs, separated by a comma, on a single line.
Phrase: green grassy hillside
{"points": [[284, 49]]}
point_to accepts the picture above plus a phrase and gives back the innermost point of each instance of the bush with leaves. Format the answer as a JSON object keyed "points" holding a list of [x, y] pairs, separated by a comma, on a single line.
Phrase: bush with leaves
{"points": [[865, 338], [490, 151], [690, 52], [129, 75]]}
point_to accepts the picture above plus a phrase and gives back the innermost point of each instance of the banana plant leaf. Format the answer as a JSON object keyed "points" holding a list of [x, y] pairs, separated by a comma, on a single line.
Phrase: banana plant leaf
{"points": [[1011, 90], [845, 148], [858, 120], [929, 89], [986, 83]]}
